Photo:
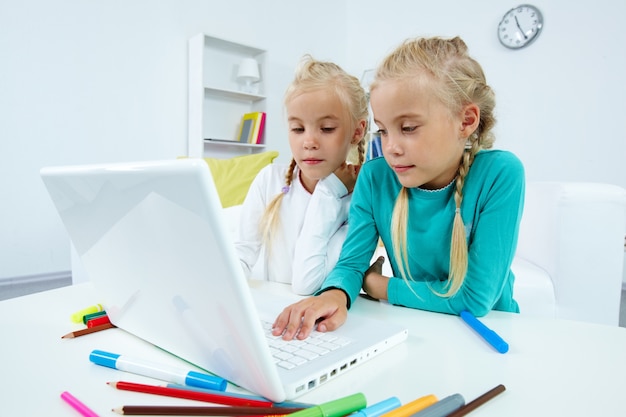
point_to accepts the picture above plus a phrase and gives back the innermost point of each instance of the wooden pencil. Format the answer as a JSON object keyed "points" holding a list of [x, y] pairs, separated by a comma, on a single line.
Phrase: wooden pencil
{"points": [[161, 410], [474, 404], [205, 396], [89, 330]]}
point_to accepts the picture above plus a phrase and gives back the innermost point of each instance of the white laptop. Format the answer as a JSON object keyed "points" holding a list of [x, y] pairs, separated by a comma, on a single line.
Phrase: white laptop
{"points": [[152, 240]]}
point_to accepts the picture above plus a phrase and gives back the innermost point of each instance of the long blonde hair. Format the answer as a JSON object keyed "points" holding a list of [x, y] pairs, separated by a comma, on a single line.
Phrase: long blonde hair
{"points": [[457, 80], [312, 75]]}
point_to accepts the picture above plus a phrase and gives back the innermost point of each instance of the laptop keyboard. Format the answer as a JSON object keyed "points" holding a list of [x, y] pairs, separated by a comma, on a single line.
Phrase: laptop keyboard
{"points": [[293, 353]]}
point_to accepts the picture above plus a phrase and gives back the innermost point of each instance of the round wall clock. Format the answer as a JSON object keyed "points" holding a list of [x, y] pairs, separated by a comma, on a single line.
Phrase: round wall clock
{"points": [[520, 26]]}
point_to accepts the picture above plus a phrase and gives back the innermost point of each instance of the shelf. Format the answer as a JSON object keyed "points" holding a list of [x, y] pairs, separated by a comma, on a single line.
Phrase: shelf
{"points": [[223, 142], [233, 94], [216, 104]]}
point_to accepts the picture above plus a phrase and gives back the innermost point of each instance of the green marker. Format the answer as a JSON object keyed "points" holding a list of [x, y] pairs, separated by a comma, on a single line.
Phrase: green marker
{"points": [[88, 317], [336, 408]]}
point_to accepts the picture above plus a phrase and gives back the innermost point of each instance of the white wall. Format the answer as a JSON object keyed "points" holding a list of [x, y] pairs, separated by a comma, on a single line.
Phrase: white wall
{"points": [[560, 101], [86, 81]]}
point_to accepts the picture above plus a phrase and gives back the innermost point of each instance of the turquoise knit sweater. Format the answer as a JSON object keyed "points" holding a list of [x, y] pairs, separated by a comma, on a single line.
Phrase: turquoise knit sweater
{"points": [[491, 209]]}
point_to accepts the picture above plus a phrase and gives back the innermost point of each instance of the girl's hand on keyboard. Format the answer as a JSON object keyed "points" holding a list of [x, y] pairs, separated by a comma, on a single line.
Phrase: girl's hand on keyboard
{"points": [[328, 311]]}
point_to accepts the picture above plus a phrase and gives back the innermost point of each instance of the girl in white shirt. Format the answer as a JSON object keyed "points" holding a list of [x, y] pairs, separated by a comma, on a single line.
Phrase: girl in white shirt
{"points": [[294, 218]]}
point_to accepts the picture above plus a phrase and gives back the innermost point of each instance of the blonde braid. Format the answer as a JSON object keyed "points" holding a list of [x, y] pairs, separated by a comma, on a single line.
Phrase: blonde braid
{"points": [[270, 221], [458, 241], [398, 232], [361, 151]]}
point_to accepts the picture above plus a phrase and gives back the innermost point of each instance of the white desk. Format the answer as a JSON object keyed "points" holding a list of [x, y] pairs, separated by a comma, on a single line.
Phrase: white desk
{"points": [[553, 368]]}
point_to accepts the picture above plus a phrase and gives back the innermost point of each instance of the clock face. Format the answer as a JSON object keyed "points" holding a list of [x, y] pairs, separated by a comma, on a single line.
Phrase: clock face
{"points": [[520, 26]]}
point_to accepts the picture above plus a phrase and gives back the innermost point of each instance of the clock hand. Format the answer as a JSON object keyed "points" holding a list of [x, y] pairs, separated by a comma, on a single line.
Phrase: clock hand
{"points": [[520, 28]]}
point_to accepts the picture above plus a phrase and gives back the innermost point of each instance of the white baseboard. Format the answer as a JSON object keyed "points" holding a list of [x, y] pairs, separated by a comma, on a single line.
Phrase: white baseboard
{"points": [[28, 284]]}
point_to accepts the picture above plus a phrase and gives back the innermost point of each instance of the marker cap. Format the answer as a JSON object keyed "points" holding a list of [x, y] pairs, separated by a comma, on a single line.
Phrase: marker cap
{"points": [[379, 408], [337, 408], [443, 407], [196, 379], [98, 321], [78, 316], [88, 317], [100, 357]]}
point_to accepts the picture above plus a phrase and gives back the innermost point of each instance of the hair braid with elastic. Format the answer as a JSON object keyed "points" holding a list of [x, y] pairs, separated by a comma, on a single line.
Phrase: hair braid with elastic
{"points": [[271, 218]]}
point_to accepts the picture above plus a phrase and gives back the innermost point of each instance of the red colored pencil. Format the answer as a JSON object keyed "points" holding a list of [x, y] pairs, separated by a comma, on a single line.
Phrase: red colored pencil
{"points": [[190, 395]]}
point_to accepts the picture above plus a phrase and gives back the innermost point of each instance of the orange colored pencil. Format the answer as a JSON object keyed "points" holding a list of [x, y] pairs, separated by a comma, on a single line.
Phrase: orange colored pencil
{"points": [[89, 330]]}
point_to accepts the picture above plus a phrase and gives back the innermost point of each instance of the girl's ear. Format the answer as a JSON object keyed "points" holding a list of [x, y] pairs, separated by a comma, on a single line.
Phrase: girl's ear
{"points": [[359, 132], [470, 118]]}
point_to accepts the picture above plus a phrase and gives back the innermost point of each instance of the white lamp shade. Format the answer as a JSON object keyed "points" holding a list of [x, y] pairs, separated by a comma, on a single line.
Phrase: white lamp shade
{"points": [[248, 70]]}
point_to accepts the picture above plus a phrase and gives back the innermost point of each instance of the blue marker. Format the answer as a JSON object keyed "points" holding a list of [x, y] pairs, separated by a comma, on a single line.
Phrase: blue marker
{"points": [[157, 371], [378, 409], [485, 332], [443, 407]]}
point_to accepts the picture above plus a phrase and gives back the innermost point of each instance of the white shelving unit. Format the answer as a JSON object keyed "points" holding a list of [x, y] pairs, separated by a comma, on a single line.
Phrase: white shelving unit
{"points": [[216, 104]]}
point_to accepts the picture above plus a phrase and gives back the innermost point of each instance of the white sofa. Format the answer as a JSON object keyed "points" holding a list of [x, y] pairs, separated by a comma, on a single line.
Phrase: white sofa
{"points": [[570, 252], [569, 260]]}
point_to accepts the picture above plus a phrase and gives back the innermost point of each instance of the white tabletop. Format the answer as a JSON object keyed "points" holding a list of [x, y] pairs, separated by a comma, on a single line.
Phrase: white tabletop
{"points": [[553, 367]]}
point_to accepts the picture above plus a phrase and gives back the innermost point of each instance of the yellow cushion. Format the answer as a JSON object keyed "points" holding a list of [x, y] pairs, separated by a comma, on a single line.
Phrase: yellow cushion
{"points": [[233, 176]]}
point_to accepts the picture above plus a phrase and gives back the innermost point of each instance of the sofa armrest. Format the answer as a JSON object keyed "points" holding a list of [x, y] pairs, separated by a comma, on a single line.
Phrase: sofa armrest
{"points": [[575, 231]]}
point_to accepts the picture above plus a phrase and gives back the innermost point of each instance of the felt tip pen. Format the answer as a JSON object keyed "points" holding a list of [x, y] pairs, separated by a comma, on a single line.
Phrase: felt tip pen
{"points": [[78, 316], [98, 321], [157, 371], [336, 408], [412, 407], [442, 407], [379, 408], [88, 317], [485, 332], [77, 405]]}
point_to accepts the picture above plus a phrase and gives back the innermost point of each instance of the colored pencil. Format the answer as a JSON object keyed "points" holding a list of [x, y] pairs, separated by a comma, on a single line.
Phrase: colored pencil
{"points": [[77, 405], [83, 332], [287, 404], [472, 405], [190, 395], [160, 410]]}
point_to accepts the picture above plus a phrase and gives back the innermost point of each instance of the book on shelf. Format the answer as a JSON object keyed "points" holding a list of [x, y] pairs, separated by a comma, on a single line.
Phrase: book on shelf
{"points": [[251, 128], [257, 137]]}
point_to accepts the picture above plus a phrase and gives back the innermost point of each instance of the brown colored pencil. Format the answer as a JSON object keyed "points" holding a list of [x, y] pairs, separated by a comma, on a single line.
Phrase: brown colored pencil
{"points": [[161, 410], [83, 332], [474, 404]]}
